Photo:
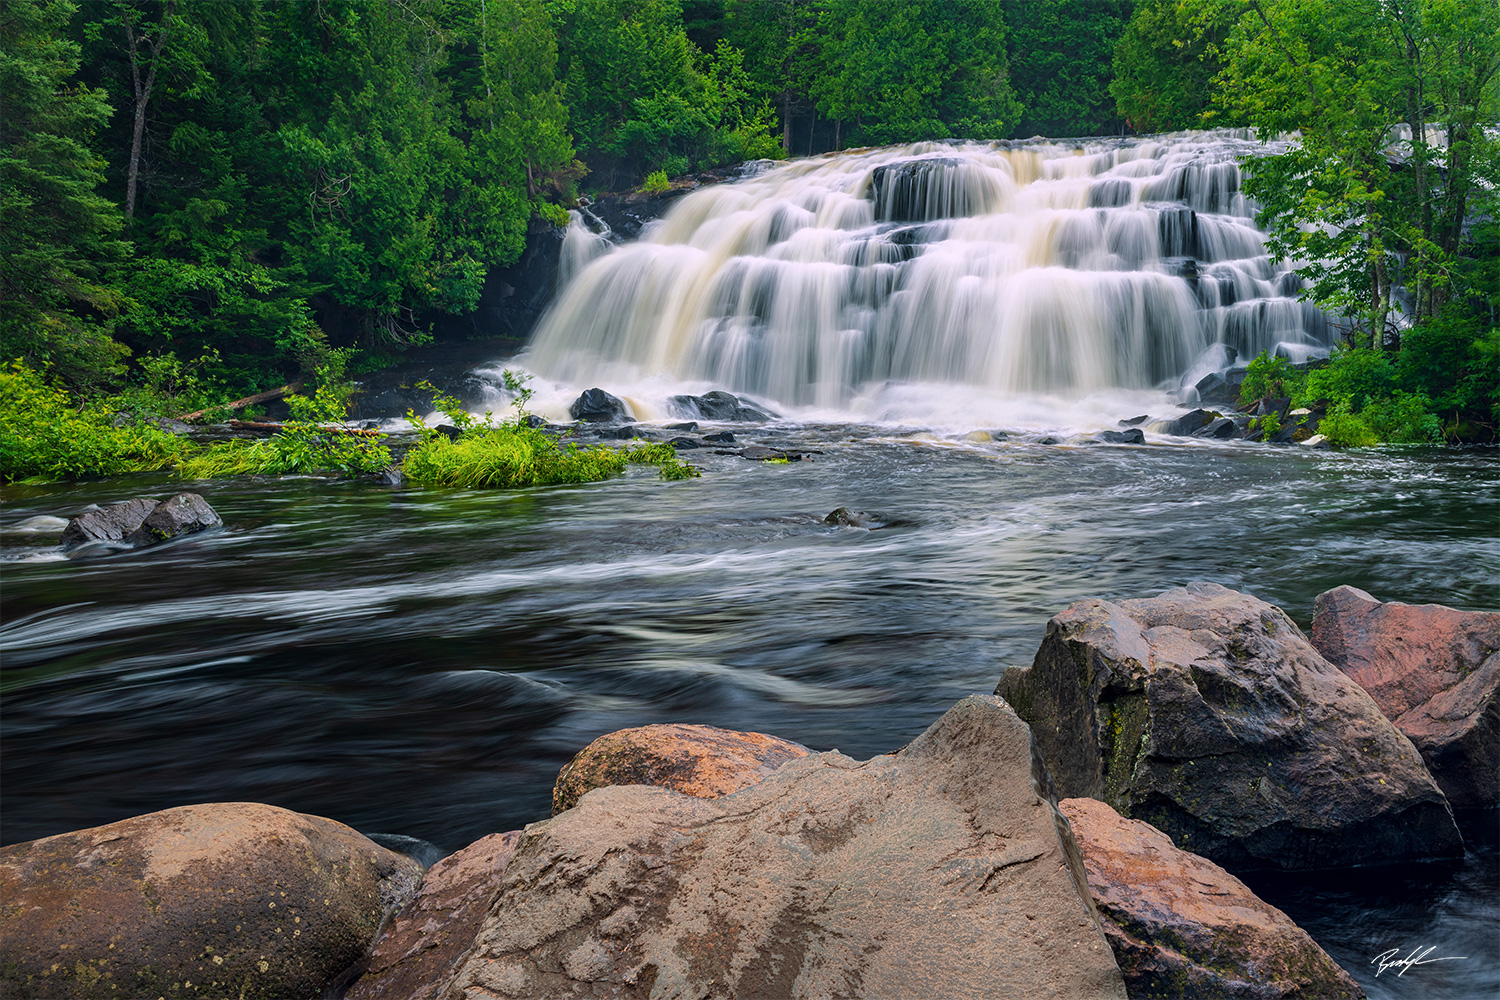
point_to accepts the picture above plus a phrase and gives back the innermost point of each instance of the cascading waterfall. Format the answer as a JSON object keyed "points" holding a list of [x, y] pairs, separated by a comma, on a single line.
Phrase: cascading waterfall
{"points": [[1032, 267]]}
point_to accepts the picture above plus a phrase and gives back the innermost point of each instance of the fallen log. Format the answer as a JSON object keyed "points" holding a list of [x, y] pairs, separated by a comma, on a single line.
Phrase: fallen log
{"points": [[272, 427], [240, 404]]}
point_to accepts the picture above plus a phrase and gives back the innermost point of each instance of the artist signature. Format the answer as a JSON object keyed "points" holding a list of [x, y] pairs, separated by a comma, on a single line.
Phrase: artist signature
{"points": [[1388, 960]]}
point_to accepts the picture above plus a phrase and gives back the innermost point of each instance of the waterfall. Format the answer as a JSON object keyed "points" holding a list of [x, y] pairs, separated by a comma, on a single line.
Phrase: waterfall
{"points": [[1011, 267]]}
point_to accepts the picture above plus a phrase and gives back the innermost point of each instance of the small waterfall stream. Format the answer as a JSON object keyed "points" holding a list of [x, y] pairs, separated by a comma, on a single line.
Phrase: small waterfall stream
{"points": [[1015, 268]]}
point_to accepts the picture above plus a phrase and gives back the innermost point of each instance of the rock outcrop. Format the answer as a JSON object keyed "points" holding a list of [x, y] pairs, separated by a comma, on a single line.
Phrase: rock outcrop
{"points": [[597, 406], [418, 948], [184, 514], [942, 870], [1208, 714], [228, 899], [701, 761], [137, 523], [1434, 671], [106, 525], [1181, 926], [718, 405]]}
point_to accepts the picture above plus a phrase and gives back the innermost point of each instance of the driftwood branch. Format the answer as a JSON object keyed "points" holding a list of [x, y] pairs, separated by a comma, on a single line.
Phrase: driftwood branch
{"points": [[258, 425], [240, 404]]}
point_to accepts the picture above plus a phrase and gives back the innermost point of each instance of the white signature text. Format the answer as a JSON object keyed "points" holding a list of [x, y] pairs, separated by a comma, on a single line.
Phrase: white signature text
{"points": [[1388, 960]]}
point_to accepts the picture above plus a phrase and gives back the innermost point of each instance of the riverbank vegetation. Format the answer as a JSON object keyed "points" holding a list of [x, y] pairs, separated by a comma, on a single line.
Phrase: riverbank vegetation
{"points": [[255, 185]]}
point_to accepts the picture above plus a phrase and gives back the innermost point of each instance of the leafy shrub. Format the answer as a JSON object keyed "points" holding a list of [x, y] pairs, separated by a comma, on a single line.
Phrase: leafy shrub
{"points": [[664, 457], [1404, 418], [1268, 376], [43, 435], [1268, 425], [656, 182], [305, 443], [1355, 375], [1346, 429]]}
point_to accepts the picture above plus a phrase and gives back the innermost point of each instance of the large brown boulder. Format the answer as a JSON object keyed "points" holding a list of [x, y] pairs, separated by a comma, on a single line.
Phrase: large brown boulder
{"points": [[229, 899], [943, 870], [1181, 926], [415, 954], [1434, 671], [1208, 714], [701, 761]]}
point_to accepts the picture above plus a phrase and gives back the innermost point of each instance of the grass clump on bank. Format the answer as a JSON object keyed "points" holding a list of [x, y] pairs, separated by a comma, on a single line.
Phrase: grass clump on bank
{"points": [[45, 436], [664, 457], [506, 456], [308, 442]]}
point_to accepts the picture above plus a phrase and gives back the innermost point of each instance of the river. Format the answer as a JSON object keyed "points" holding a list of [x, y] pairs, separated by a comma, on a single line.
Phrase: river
{"points": [[420, 663]]}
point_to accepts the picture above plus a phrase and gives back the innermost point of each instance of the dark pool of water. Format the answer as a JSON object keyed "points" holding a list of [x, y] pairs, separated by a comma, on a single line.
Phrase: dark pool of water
{"points": [[422, 662]]}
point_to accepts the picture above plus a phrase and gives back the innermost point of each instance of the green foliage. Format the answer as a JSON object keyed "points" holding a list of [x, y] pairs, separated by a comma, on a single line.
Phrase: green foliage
{"points": [[1060, 63], [664, 457], [308, 442], [165, 386], [656, 182], [507, 457], [1355, 376], [1165, 63], [1346, 429], [44, 435], [59, 239], [1268, 376], [1268, 426]]}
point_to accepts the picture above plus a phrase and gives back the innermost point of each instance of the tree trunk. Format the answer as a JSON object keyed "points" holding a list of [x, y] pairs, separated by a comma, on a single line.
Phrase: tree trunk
{"points": [[838, 127], [786, 121], [812, 130], [141, 90]]}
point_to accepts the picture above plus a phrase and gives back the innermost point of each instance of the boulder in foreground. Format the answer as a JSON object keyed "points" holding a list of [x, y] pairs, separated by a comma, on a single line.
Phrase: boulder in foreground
{"points": [[702, 761], [138, 523], [1181, 926], [418, 948], [106, 525], [597, 406], [1208, 714], [942, 870], [1434, 672], [228, 899], [184, 514]]}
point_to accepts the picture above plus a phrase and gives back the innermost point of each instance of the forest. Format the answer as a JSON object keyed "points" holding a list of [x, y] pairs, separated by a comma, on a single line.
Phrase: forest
{"points": [[223, 195]]}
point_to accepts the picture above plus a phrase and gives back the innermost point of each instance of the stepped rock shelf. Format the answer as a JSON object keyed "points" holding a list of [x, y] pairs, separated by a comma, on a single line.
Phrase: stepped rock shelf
{"points": [[695, 861]]}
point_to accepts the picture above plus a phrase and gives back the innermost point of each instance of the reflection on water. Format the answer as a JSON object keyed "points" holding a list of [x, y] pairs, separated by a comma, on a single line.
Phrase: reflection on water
{"points": [[422, 663]]}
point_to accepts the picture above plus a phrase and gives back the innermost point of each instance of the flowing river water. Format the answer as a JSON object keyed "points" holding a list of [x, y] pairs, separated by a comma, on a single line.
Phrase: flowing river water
{"points": [[420, 663]]}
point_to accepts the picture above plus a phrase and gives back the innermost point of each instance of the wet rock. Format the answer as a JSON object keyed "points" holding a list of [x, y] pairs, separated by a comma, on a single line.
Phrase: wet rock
{"points": [[723, 437], [718, 405], [702, 761], [1049, 439], [1132, 436], [390, 476], [1220, 388], [943, 870], [106, 525], [1181, 926], [532, 420], [845, 518], [1187, 424], [1218, 429], [1133, 421], [757, 453], [229, 899], [417, 950], [681, 443], [449, 431], [690, 427], [184, 514], [625, 433], [1434, 671], [1207, 713], [597, 406]]}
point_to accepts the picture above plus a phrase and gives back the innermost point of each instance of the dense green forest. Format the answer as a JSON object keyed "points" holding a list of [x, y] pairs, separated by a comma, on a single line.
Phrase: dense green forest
{"points": [[224, 193]]}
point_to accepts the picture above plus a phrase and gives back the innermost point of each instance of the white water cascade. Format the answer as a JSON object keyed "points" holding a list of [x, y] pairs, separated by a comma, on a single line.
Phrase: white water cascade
{"points": [[1011, 268]]}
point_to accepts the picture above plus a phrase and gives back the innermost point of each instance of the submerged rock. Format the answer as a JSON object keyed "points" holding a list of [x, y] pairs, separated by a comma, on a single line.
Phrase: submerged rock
{"points": [[702, 761], [843, 517], [718, 405], [681, 443], [184, 514], [1181, 926], [722, 437], [1132, 436], [416, 952], [943, 870], [228, 899], [1208, 714], [597, 406], [1434, 671]]}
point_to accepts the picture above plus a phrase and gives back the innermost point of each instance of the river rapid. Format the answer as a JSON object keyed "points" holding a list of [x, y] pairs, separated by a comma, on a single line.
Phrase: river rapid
{"points": [[422, 662], [419, 663]]}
